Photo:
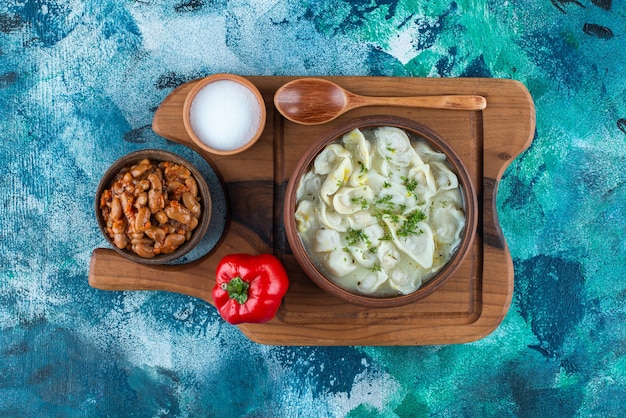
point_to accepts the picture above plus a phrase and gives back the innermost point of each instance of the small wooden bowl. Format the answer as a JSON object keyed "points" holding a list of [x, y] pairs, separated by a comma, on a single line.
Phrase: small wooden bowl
{"points": [[189, 101], [156, 155], [469, 200]]}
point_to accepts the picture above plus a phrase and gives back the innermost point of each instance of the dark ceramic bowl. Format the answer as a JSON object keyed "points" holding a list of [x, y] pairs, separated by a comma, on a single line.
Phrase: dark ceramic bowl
{"points": [[156, 155], [416, 130]]}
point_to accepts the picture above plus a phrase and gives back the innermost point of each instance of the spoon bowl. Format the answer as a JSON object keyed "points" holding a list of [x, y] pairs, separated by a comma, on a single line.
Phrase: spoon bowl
{"points": [[313, 101]]}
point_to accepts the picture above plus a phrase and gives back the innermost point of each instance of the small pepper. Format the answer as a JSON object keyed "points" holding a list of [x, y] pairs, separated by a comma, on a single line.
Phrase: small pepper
{"points": [[249, 288]]}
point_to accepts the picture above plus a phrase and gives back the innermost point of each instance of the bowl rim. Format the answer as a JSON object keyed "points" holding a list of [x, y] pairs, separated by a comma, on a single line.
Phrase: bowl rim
{"points": [[468, 193], [199, 85], [154, 154]]}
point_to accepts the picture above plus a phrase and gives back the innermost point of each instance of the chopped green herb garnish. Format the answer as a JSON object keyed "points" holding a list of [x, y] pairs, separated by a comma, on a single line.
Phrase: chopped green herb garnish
{"points": [[356, 235], [386, 237], [360, 200], [409, 227], [409, 184], [385, 202], [376, 267]]}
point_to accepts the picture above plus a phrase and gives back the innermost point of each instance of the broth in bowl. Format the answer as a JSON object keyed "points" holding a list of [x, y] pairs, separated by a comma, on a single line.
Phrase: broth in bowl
{"points": [[380, 211], [387, 188]]}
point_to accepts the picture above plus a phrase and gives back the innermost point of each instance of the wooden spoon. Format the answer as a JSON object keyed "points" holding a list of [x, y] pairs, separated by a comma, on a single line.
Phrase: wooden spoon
{"points": [[312, 101]]}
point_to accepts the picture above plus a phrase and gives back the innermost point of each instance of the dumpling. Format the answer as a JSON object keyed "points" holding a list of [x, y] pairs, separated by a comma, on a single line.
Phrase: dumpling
{"points": [[327, 240], [309, 186], [406, 281], [427, 153], [305, 216], [368, 281], [393, 144], [340, 263], [329, 158], [420, 247], [444, 177], [392, 197], [358, 179], [363, 257], [362, 147], [380, 166], [335, 180], [448, 223], [374, 233], [450, 197], [331, 219], [387, 255], [420, 183], [376, 182], [349, 200], [366, 238], [361, 219]]}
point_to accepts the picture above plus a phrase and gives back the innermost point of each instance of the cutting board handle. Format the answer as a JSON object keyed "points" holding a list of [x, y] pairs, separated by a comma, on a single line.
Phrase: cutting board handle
{"points": [[110, 271]]}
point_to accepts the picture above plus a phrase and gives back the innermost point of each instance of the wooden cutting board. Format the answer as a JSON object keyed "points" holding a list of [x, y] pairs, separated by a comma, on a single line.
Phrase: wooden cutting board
{"points": [[468, 307]]}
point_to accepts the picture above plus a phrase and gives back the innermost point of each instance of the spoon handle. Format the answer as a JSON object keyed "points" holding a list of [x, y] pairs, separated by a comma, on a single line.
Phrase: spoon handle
{"points": [[452, 102]]}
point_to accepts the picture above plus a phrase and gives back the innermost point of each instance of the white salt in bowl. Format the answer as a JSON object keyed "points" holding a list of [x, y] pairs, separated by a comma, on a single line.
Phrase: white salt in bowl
{"points": [[224, 114]]}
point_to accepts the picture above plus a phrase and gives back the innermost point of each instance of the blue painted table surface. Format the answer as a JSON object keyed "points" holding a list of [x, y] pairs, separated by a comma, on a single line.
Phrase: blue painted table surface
{"points": [[79, 83]]}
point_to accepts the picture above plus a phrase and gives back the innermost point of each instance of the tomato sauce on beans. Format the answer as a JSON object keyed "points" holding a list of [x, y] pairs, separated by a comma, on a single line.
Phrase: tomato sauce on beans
{"points": [[151, 207]]}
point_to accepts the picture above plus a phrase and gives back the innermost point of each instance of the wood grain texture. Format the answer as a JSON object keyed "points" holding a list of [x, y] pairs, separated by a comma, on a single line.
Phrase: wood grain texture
{"points": [[468, 307], [312, 101]]}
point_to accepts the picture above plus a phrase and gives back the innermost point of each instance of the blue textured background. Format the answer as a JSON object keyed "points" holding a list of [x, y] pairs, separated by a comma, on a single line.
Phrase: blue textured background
{"points": [[78, 79]]}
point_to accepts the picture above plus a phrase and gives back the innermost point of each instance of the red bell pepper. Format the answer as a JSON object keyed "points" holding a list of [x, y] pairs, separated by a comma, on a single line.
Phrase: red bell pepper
{"points": [[249, 288]]}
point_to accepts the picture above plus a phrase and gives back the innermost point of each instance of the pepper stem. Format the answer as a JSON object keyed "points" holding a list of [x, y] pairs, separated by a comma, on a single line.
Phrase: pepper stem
{"points": [[237, 289]]}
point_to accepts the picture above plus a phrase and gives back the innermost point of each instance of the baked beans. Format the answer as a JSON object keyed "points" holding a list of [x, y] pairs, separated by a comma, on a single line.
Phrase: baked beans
{"points": [[151, 207]]}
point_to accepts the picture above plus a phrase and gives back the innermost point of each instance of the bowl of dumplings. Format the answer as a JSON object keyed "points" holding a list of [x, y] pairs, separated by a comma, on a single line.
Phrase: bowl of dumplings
{"points": [[380, 211]]}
